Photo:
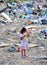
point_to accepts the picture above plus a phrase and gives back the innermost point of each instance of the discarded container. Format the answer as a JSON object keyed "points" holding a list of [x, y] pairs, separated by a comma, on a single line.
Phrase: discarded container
{"points": [[28, 5], [30, 11], [44, 21], [19, 13], [12, 49], [6, 16]]}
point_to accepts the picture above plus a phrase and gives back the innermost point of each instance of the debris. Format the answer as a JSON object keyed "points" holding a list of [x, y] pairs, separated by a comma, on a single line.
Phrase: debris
{"points": [[32, 45], [35, 26], [44, 21], [4, 44], [43, 33], [12, 49], [2, 22], [6, 16], [40, 57]]}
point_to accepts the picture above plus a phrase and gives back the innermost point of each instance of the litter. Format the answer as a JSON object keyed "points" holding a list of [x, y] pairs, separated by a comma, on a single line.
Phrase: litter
{"points": [[11, 49], [2, 22], [6, 16], [40, 57], [4, 45], [35, 26], [44, 21]]}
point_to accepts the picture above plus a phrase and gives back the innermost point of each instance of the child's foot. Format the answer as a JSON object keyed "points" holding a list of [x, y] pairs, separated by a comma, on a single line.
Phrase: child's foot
{"points": [[26, 55], [23, 56]]}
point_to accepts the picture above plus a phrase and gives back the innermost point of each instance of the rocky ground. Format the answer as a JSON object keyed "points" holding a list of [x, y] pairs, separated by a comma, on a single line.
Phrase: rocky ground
{"points": [[9, 56]]}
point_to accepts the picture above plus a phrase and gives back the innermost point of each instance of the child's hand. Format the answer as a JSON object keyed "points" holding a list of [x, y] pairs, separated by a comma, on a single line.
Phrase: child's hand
{"points": [[28, 33]]}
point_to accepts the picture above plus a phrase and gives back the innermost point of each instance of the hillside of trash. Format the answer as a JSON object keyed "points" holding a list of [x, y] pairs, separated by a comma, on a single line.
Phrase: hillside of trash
{"points": [[32, 15]]}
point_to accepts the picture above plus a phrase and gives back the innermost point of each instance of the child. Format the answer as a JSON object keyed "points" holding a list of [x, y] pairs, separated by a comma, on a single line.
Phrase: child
{"points": [[24, 41]]}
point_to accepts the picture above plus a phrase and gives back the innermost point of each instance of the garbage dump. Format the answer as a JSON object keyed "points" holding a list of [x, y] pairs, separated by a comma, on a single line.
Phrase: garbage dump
{"points": [[31, 14], [32, 11]]}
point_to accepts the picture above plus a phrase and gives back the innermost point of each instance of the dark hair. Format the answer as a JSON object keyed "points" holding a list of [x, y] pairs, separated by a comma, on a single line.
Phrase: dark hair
{"points": [[23, 30]]}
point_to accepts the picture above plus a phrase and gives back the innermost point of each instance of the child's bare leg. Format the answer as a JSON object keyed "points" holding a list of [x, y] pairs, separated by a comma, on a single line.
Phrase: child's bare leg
{"points": [[24, 52]]}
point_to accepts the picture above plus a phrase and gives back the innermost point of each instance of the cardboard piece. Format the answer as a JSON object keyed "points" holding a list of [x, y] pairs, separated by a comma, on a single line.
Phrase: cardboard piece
{"points": [[4, 45], [32, 45], [36, 26]]}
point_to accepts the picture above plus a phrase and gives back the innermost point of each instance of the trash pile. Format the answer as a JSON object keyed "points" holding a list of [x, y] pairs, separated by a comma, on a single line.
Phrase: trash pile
{"points": [[43, 33], [32, 15], [23, 14], [34, 11]]}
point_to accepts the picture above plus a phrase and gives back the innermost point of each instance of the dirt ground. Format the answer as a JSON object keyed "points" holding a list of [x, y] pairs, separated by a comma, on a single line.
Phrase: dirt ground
{"points": [[36, 55]]}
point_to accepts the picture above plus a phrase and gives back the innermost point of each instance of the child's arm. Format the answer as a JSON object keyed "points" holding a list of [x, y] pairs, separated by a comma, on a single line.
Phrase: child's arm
{"points": [[28, 32], [21, 38]]}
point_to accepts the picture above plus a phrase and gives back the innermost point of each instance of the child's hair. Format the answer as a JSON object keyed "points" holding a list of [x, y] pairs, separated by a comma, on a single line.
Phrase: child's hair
{"points": [[23, 30]]}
